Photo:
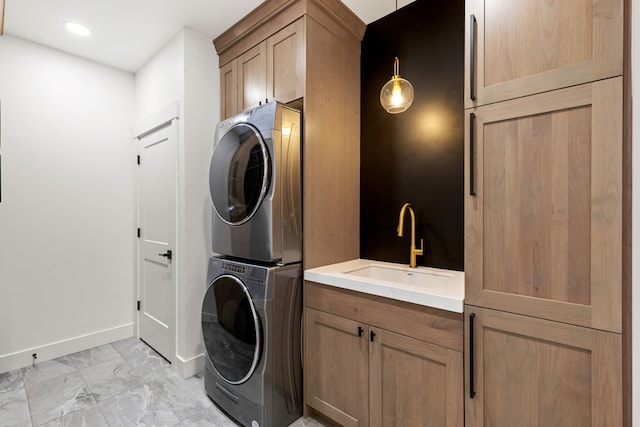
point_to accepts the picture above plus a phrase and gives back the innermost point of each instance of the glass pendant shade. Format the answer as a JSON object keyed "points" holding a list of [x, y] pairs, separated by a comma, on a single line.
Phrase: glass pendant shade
{"points": [[397, 94]]}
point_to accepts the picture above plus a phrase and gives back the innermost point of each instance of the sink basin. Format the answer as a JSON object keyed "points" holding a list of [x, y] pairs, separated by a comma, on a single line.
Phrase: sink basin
{"points": [[407, 276], [431, 287]]}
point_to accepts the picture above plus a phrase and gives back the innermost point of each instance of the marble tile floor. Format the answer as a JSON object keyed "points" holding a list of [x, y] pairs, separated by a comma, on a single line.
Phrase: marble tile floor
{"points": [[125, 384]]}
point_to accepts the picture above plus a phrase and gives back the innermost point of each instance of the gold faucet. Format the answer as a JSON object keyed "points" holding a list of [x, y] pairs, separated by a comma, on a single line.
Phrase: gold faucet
{"points": [[414, 251]]}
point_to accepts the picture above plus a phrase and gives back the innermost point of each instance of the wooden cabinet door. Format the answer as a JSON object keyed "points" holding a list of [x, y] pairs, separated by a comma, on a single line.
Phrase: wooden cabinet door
{"points": [[337, 368], [252, 77], [229, 89], [518, 48], [285, 63], [414, 383], [543, 205], [532, 372]]}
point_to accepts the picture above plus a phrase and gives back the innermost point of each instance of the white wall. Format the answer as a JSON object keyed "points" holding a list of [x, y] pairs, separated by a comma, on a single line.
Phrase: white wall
{"points": [[201, 114], [160, 80], [186, 70], [67, 243]]}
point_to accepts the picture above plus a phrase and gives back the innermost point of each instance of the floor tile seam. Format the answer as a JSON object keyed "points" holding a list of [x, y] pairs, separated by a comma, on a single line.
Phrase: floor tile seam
{"points": [[95, 400], [104, 417], [27, 380], [26, 395], [60, 406], [121, 353]]}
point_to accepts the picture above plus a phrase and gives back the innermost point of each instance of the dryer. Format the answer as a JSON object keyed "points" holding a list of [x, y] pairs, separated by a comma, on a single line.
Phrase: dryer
{"points": [[251, 320], [255, 185]]}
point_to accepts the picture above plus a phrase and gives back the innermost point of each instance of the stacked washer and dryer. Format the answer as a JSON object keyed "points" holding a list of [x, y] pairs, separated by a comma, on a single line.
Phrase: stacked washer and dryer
{"points": [[251, 314]]}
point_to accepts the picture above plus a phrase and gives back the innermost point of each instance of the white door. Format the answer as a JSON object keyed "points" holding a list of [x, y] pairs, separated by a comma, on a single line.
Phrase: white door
{"points": [[157, 195]]}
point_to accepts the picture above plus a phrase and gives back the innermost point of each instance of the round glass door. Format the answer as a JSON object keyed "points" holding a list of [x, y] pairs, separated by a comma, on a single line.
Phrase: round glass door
{"points": [[239, 174], [231, 329]]}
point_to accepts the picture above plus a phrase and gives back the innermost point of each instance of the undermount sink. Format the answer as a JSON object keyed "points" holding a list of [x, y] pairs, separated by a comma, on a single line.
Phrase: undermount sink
{"points": [[432, 287], [404, 275]]}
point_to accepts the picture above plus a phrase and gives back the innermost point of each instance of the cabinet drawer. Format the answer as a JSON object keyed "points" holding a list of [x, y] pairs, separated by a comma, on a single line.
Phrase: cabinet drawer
{"points": [[439, 327]]}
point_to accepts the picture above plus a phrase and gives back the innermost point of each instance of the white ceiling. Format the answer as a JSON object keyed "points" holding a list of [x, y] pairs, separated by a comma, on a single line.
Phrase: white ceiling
{"points": [[127, 33]]}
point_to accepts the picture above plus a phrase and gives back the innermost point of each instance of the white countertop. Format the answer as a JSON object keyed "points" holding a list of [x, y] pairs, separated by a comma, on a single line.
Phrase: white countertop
{"points": [[431, 287]]}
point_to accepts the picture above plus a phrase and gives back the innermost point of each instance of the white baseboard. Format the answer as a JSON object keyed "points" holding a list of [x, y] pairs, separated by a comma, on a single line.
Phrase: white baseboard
{"points": [[19, 359], [189, 367]]}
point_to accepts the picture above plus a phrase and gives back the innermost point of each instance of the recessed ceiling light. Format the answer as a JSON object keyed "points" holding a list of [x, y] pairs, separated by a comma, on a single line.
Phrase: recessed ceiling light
{"points": [[77, 29]]}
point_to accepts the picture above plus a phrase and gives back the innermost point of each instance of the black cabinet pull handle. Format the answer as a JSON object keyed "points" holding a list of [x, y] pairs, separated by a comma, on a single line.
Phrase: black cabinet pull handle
{"points": [[472, 388], [167, 254], [360, 331], [472, 154], [373, 334], [472, 57]]}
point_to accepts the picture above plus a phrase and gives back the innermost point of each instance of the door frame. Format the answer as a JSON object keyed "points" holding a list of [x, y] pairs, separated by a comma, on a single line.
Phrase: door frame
{"points": [[166, 116]]}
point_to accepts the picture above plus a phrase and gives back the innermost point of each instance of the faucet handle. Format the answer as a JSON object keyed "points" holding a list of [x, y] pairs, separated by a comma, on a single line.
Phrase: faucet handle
{"points": [[421, 250]]}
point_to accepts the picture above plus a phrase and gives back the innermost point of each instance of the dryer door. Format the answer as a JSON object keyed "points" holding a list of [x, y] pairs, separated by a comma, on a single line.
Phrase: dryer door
{"points": [[239, 174], [231, 329]]}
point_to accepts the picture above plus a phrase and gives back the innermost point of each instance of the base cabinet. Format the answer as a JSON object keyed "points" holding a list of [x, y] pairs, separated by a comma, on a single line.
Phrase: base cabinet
{"points": [[533, 372], [413, 383], [361, 374], [337, 368]]}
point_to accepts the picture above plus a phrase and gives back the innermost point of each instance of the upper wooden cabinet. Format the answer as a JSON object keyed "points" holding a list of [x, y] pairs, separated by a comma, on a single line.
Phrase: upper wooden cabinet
{"points": [[543, 205], [229, 89], [273, 69], [285, 63], [252, 77], [518, 48]]}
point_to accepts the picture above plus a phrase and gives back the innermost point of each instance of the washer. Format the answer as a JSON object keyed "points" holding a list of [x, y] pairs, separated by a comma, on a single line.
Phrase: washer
{"points": [[251, 318], [255, 185]]}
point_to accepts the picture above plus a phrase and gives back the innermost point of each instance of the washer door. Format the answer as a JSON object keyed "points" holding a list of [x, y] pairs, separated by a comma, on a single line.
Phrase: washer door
{"points": [[239, 174], [231, 329]]}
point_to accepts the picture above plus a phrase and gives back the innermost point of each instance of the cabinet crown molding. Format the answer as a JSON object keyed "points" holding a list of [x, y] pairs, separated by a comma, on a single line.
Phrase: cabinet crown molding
{"points": [[272, 15]]}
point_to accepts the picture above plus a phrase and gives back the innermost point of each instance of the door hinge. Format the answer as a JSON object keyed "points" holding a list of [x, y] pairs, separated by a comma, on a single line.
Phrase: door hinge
{"points": [[139, 232], [138, 160], [138, 305]]}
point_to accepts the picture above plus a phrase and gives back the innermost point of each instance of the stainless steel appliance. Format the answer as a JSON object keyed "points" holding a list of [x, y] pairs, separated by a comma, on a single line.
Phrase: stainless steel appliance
{"points": [[251, 319], [255, 185]]}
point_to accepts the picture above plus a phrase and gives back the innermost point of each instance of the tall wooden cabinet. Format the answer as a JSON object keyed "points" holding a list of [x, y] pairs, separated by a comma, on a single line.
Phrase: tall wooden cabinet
{"points": [[307, 51], [544, 213]]}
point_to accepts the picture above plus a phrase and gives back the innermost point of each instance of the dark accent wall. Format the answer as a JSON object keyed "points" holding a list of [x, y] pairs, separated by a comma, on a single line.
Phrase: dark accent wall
{"points": [[416, 156]]}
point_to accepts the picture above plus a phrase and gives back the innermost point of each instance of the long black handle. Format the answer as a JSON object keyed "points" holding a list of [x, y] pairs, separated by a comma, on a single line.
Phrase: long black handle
{"points": [[472, 154], [472, 388], [360, 331], [472, 57]]}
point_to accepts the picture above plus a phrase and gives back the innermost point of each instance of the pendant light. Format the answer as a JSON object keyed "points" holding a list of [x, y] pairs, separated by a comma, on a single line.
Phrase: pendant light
{"points": [[397, 94]]}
